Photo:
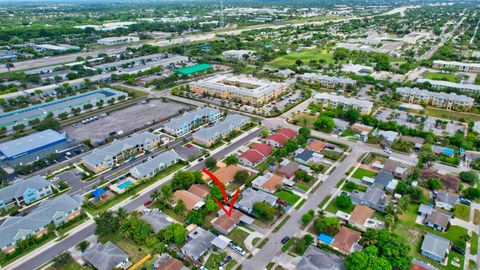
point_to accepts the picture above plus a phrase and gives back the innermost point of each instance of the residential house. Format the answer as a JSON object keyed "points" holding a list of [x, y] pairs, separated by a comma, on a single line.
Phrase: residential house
{"points": [[166, 262], [449, 182], [200, 242], [280, 137], [207, 136], [24, 192], [190, 200], [288, 168], [308, 156], [437, 220], [225, 223], [101, 159], [346, 240], [58, 211], [340, 125], [268, 182], [360, 215], [189, 120], [316, 145], [373, 198], [395, 168], [153, 166], [251, 196], [435, 247], [226, 174], [424, 210], [417, 141], [157, 219], [200, 190], [360, 128], [388, 135], [439, 150], [106, 256], [255, 155], [317, 259], [446, 200], [385, 181]]}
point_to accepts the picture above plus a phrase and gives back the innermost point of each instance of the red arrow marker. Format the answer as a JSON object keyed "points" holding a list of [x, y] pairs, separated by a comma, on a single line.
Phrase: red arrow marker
{"points": [[224, 193]]}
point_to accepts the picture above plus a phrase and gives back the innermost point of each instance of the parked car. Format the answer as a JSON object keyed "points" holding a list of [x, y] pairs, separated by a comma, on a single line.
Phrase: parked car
{"points": [[148, 202], [225, 260], [200, 159], [237, 249], [282, 202], [458, 250], [285, 240], [465, 201]]}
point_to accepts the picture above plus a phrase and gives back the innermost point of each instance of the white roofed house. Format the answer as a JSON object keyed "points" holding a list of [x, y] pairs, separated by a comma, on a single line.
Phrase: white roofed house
{"points": [[209, 135], [326, 99], [101, 159], [57, 211], [155, 165]]}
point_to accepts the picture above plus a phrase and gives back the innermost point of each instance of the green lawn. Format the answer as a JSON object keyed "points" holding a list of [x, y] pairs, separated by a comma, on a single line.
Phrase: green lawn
{"points": [[134, 251], [474, 244], [287, 61], [70, 264], [238, 236], [360, 173], [288, 196], [332, 208], [462, 212], [214, 260], [358, 187], [451, 115], [449, 77], [287, 245], [455, 257]]}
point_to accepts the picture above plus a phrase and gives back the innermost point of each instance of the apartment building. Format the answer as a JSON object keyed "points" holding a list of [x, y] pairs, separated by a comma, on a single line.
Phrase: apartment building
{"points": [[189, 120], [209, 135], [467, 87], [449, 101], [24, 192], [465, 67], [326, 99], [325, 81], [240, 89]]}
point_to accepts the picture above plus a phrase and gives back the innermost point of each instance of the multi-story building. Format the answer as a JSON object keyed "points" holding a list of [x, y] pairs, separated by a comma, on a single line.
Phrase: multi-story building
{"points": [[466, 67], [24, 192], [325, 81], [241, 89], [466, 87], [32, 147], [189, 120], [448, 101], [154, 165], [326, 99], [58, 211], [209, 135], [101, 159]]}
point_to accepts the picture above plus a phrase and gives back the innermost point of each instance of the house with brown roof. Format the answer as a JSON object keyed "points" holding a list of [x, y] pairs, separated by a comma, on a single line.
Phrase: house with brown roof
{"points": [[167, 262], [287, 168], [190, 200], [417, 141], [255, 155], [268, 182], [360, 215], [361, 128], [316, 145], [226, 174], [346, 239], [437, 220], [225, 224], [449, 182], [396, 168], [200, 190]]}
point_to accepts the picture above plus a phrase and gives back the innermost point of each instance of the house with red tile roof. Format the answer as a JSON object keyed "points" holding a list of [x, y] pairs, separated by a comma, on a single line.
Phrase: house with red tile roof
{"points": [[280, 137], [255, 155], [345, 239]]}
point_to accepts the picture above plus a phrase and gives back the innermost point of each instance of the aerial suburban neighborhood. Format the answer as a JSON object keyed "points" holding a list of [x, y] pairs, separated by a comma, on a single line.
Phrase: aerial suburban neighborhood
{"points": [[228, 135]]}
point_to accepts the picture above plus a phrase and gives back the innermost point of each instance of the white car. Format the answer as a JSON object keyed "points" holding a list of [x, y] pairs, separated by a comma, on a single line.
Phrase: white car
{"points": [[388, 151]]}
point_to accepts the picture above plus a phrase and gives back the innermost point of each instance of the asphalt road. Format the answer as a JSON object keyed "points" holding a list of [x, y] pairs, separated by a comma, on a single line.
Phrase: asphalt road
{"points": [[41, 258], [274, 245]]}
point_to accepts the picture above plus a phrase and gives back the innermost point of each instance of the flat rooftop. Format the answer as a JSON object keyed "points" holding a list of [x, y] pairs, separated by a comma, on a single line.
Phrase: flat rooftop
{"points": [[30, 143]]}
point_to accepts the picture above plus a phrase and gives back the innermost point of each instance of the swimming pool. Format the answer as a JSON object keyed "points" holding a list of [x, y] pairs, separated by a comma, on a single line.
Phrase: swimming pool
{"points": [[125, 184]]}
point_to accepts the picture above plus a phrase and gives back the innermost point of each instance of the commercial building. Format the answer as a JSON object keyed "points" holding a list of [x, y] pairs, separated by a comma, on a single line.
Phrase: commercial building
{"points": [[465, 67], [155, 165], [448, 101], [325, 81], [8, 55], [24, 192], [101, 159], [209, 135], [238, 54], [106, 26], [56, 48], [357, 69], [32, 147], [189, 120], [466, 87], [117, 40], [326, 100], [241, 89], [59, 211]]}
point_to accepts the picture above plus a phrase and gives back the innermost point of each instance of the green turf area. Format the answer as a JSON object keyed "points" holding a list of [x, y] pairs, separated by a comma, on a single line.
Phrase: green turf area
{"points": [[360, 173], [193, 69], [287, 196], [332, 208], [287, 245], [455, 261], [451, 115], [449, 77], [474, 244], [462, 212], [238, 236], [287, 61], [214, 260]]}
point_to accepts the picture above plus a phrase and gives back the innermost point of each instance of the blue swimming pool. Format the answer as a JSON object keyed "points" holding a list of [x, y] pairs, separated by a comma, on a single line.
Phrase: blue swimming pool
{"points": [[125, 184]]}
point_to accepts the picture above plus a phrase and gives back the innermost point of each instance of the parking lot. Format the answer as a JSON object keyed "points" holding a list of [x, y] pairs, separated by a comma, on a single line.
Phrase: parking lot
{"points": [[127, 120], [413, 120]]}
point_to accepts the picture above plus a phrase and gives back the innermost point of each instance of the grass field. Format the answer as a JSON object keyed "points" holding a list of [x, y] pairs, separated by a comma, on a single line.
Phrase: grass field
{"points": [[462, 212], [305, 56], [287, 196], [449, 77], [474, 244], [360, 173], [451, 115], [214, 260], [238, 236]]}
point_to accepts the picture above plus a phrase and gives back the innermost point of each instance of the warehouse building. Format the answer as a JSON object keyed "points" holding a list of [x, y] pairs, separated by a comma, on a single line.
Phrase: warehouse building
{"points": [[449, 101], [465, 67], [326, 99], [32, 147], [241, 89], [117, 40]]}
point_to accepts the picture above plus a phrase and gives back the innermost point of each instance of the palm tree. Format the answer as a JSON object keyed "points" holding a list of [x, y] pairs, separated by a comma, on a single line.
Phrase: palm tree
{"points": [[156, 195], [369, 237], [121, 214]]}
